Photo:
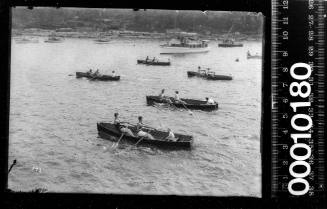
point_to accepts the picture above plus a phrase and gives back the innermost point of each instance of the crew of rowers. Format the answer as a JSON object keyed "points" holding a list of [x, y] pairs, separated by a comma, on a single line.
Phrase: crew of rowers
{"points": [[206, 72], [97, 73], [177, 99], [147, 59], [142, 131]]}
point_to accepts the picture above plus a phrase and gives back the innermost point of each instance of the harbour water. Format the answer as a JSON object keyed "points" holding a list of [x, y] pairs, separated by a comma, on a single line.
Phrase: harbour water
{"points": [[53, 120]]}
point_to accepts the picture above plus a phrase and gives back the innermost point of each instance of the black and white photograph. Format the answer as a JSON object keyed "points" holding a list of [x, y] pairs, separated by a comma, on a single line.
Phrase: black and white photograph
{"points": [[119, 101]]}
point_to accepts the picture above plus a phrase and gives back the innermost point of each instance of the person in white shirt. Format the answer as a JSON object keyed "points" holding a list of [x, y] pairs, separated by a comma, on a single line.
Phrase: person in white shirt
{"points": [[140, 132], [171, 136], [210, 100], [177, 96], [177, 99], [122, 127], [113, 74]]}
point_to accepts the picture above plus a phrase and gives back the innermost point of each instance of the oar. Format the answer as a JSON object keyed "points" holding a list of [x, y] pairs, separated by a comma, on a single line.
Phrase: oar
{"points": [[12, 165], [191, 113], [142, 138], [139, 141], [71, 75], [116, 144]]}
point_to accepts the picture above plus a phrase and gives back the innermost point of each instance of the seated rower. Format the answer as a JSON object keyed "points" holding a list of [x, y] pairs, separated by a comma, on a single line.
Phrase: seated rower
{"points": [[177, 99], [140, 132], [163, 97], [121, 127], [210, 100], [162, 94], [199, 69], [89, 72], [208, 71], [147, 58], [171, 136], [113, 74], [96, 73]]}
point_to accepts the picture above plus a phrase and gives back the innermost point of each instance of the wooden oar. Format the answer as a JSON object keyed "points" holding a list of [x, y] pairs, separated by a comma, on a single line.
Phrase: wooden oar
{"points": [[191, 113], [116, 144]]}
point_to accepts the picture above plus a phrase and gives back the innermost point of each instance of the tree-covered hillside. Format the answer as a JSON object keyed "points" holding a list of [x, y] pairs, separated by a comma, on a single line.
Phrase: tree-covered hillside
{"points": [[147, 21]]}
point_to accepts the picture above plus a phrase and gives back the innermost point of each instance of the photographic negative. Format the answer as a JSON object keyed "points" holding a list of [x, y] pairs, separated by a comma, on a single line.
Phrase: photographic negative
{"points": [[136, 102]]}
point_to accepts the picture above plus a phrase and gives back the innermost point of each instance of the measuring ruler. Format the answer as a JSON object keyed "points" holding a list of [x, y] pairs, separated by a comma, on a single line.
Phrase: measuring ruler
{"points": [[298, 98]]}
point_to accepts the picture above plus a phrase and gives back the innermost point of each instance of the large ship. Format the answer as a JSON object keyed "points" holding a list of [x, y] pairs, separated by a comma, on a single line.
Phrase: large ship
{"points": [[183, 44]]}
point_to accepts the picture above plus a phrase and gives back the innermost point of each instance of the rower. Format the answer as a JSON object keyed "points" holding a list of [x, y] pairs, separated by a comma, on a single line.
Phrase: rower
{"points": [[140, 132], [248, 53], [208, 70], [162, 94], [171, 136], [210, 100], [97, 73], [147, 58], [121, 127], [113, 74], [177, 99], [199, 69], [153, 59], [177, 96]]}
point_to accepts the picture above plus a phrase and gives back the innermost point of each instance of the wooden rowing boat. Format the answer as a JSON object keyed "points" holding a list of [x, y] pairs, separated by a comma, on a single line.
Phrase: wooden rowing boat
{"points": [[99, 78], [209, 76], [110, 131], [150, 62], [189, 103]]}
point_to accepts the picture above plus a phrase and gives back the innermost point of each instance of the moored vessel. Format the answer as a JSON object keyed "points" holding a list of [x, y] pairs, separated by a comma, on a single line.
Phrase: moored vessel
{"points": [[230, 43], [184, 44], [53, 39]]}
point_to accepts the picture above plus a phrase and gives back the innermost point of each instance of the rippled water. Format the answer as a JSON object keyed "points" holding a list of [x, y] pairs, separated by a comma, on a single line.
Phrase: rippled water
{"points": [[53, 120]]}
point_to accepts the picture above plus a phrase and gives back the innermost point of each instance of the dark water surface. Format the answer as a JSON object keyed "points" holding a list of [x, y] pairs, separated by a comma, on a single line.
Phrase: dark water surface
{"points": [[53, 120]]}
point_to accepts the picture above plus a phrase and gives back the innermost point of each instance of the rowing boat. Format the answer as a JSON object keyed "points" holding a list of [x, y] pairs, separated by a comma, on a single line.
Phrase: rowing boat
{"points": [[189, 103], [100, 78], [110, 131], [156, 62], [209, 76], [248, 56]]}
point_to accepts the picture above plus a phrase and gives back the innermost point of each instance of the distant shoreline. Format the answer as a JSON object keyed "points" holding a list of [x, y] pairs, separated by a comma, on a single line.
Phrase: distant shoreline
{"points": [[122, 34]]}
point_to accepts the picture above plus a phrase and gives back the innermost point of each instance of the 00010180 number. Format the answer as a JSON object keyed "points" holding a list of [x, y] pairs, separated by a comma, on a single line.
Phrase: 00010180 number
{"points": [[300, 89]]}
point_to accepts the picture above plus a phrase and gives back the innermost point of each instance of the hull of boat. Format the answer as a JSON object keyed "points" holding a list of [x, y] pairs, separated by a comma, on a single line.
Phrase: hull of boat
{"points": [[99, 78], [209, 77], [189, 103], [182, 50], [110, 132]]}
